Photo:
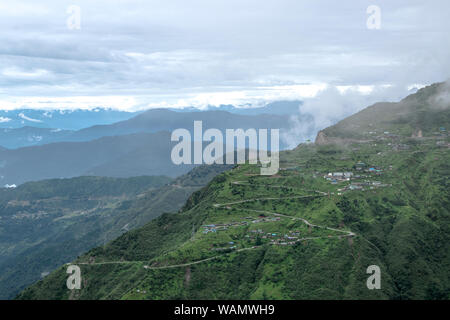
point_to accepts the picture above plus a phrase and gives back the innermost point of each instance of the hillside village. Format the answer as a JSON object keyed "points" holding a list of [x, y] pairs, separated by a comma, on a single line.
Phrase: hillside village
{"points": [[361, 179], [362, 175], [367, 167]]}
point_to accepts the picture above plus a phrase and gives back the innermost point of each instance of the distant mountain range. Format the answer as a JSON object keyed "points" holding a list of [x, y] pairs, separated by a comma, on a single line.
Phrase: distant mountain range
{"points": [[61, 119], [22, 128], [166, 120], [137, 146], [30, 136], [118, 156]]}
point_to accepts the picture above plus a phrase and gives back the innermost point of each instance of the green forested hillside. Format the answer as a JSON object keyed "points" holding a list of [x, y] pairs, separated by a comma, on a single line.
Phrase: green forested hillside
{"points": [[44, 224], [358, 197]]}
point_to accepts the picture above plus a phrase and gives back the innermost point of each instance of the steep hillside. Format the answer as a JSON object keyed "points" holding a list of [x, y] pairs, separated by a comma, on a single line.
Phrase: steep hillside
{"points": [[309, 232], [44, 224]]}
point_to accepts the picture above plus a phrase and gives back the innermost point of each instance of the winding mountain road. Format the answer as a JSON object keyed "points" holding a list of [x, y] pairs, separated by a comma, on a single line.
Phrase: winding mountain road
{"points": [[228, 204]]}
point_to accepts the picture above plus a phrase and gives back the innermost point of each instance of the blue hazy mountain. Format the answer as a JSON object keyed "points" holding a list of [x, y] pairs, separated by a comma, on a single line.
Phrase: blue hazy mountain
{"points": [[43, 127], [118, 156], [29, 136], [166, 120], [138, 146], [79, 119], [61, 119]]}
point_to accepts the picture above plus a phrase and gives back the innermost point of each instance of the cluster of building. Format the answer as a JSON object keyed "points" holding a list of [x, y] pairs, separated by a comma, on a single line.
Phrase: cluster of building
{"points": [[363, 167], [224, 226], [364, 186], [335, 177], [362, 171], [261, 219], [216, 227], [360, 167], [287, 239], [274, 237], [443, 144], [441, 132]]}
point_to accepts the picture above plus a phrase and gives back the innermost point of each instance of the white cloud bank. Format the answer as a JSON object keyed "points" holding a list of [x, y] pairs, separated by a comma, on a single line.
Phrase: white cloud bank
{"points": [[136, 54], [239, 97], [334, 104]]}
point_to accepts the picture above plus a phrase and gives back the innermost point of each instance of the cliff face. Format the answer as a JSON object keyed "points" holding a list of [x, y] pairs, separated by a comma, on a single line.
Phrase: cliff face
{"points": [[321, 139]]}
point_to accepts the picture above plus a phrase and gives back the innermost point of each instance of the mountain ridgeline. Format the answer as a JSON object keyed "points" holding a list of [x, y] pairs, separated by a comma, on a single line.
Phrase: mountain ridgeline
{"points": [[44, 127], [372, 191], [138, 146]]}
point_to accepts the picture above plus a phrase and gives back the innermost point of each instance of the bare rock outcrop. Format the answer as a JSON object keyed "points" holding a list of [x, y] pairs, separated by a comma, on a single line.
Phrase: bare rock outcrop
{"points": [[321, 139]]}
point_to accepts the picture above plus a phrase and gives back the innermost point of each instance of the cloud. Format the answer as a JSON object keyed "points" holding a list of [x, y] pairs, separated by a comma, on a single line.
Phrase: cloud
{"points": [[24, 117], [153, 53], [332, 105], [16, 73], [441, 100]]}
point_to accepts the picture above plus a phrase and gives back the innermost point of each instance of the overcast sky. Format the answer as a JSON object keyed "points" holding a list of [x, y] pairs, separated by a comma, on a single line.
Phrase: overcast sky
{"points": [[138, 54]]}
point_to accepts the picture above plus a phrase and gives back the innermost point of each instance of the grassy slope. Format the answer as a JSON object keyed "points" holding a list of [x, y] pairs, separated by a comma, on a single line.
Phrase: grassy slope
{"points": [[401, 226]]}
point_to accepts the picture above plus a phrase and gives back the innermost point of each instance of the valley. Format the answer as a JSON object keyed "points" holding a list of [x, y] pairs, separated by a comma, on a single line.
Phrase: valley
{"points": [[355, 198], [44, 224]]}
